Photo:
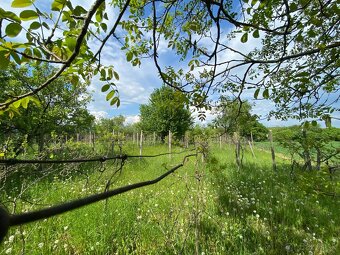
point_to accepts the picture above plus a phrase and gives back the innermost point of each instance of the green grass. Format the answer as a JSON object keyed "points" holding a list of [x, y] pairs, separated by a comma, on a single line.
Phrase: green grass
{"points": [[204, 208]]}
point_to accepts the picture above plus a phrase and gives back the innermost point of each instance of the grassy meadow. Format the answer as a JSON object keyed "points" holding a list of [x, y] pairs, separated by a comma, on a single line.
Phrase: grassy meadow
{"points": [[205, 207]]}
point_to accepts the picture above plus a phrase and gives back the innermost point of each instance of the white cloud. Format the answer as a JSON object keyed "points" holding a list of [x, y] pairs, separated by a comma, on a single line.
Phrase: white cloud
{"points": [[99, 114], [131, 119]]}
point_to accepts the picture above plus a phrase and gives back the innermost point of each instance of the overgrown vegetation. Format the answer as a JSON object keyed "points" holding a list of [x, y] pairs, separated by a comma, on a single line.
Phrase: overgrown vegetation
{"points": [[207, 207]]}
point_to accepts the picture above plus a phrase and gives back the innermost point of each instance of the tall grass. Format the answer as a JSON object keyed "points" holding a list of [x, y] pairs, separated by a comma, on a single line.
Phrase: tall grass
{"points": [[204, 208]]}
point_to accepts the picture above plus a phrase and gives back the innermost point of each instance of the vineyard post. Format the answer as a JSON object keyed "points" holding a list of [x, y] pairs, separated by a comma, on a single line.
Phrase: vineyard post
{"points": [[93, 140], [237, 149], [251, 139], [141, 143], [220, 141], [251, 148], [137, 139], [272, 149], [170, 140]]}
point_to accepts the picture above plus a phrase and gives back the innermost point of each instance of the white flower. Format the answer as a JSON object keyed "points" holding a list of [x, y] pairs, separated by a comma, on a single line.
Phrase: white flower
{"points": [[139, 217], [8, 251], [65, 228], [10, 239], [40, 245], [287, 248], [56, 241]]}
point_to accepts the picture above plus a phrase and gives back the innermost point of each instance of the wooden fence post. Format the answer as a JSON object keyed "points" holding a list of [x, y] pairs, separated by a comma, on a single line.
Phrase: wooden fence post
{"points": [[170, 140], [140, 144], [251, 139], [237, 149], [272, 149], [251, 149]]}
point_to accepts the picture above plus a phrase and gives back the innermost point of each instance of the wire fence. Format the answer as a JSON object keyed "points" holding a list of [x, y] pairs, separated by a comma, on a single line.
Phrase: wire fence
{"points": [[19, 176]]}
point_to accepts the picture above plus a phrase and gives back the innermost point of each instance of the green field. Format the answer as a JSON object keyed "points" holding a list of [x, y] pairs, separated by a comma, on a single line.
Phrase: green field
{"points": [[207, 207]]}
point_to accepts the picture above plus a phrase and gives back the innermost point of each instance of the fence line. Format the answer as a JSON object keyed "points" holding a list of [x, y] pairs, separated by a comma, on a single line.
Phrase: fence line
{"points": [[81, 160], [7, 220]]}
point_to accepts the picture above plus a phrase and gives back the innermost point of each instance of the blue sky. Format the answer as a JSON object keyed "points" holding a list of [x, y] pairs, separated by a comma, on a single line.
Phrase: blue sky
{"points": [[137, 83]]}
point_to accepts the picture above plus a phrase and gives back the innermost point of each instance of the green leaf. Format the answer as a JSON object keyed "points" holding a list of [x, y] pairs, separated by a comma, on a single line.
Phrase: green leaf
{"points": [[256, 34], [17, 103], [57, 5], [28, 15], [106, 87], [24, 102], [114, 101], [71, 43], [299, 38], [110, 95], [35, 25], [13, 29], [9, 15], [253, 2], [244, 38], [116, 75], [103, 26], [37, 52], [266, 94], [45, 25], [129, 56], [99, 16], [293, 7], [256, 94], [16, 57], [4, 59], [21, 3], [314, 123]]}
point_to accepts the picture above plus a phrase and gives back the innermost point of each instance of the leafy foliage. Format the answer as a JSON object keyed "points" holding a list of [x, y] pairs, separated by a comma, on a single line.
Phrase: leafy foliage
{"points": [[61, 108], [296, 65], [236, 117], [166, 111]]}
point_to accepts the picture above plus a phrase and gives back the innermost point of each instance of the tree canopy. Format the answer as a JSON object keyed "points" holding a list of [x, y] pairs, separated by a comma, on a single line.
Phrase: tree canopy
{"points": [[166, 112], [61, 108], [235, 117], [295, 63]]}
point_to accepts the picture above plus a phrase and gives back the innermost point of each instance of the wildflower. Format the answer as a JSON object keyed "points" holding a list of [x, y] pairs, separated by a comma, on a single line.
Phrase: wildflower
{"points": [[139, 217], [287, 248], [8, 251], [257, 216], [56, 241], [10, 239], [65, 228], [40, 245]]}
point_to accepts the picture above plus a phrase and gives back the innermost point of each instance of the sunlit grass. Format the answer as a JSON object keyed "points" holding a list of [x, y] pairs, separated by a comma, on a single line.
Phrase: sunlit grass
{"points": [[204, 208]]}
